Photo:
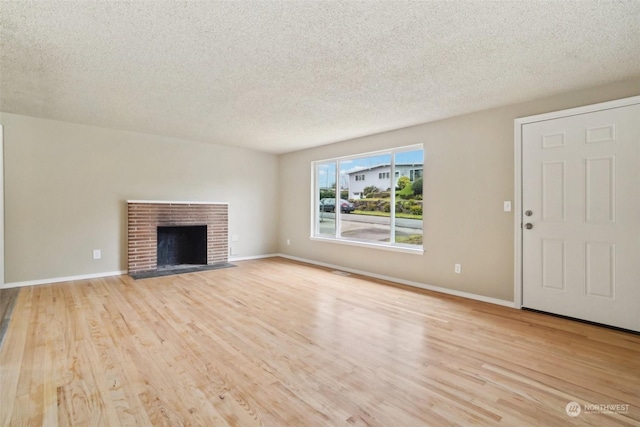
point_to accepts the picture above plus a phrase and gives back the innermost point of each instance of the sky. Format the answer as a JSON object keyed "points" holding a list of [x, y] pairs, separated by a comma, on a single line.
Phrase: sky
{"points": [[348, 166], [327, 171]]}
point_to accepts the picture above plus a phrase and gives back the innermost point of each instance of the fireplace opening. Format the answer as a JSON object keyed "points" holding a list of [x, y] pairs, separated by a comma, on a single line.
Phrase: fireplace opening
{"points": [[180, 245]]}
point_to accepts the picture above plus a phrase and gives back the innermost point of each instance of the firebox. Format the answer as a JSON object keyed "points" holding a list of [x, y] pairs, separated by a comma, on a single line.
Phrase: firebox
{"points": [[179, 245]]}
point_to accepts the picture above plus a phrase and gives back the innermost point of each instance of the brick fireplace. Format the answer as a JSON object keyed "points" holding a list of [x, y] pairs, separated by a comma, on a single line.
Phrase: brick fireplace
{"points": [[144, 218]]}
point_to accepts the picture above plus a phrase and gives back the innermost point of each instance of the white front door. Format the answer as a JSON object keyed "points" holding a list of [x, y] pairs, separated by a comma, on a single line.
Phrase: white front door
{"points": [[581, 216]]}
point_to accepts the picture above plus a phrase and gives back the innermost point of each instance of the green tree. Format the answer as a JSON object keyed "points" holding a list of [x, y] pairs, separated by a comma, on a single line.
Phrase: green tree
{"points": [[403, 181], [406, 192], [327, 194], [417, 186]]}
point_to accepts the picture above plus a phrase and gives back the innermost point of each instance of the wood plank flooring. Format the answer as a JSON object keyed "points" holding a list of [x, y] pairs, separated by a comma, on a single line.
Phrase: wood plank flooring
{"points": [[279, 343], [7, 301]]}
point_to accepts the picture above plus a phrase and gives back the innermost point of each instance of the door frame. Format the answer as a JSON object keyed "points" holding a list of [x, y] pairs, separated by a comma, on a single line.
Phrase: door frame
{"points": [[518, 125]]}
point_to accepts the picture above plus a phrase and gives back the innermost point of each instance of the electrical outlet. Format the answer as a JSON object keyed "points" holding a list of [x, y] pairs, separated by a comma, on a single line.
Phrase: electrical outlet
{"points": [[288, 242], [457, 268], [97, 254]]}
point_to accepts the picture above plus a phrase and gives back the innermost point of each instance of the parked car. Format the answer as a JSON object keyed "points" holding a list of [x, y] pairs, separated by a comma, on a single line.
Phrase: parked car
{"points": [[329, 205]]}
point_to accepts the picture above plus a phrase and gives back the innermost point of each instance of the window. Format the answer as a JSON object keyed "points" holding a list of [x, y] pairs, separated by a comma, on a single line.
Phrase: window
{"points": [[415, 174], [384, 213]]}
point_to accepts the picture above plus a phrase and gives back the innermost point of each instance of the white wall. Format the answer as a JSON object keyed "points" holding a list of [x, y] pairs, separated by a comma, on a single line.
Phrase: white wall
{"points": [[66, 187], [468, 173], [2, 226]]}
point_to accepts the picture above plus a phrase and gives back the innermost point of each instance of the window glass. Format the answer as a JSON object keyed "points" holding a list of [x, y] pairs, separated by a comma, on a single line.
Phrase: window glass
{"points": [[362, 195], [325, 199], [408, 218], [372, 198]]}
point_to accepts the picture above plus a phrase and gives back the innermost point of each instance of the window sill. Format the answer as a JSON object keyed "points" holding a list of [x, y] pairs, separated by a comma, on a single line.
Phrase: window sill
{"points": [[417, 250]]}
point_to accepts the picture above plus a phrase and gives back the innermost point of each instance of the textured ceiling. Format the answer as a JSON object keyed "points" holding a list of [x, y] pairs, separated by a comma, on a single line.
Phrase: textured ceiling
{"points": [[282, 76]]}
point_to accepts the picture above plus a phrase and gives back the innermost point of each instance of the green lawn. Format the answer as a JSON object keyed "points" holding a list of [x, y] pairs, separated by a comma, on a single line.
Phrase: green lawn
{"points": [[378, 213], [415, 239]]}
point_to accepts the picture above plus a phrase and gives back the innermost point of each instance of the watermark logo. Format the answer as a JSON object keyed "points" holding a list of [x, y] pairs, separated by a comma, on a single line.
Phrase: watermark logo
{"points": [[573, 409], [610, 408]]}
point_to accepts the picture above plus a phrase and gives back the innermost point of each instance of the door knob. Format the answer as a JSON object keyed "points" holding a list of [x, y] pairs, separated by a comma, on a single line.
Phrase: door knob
{"points": [[528, 213], [528, 226]]}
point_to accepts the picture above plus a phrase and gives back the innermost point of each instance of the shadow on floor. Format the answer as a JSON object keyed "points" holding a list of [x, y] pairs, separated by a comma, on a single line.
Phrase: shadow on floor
{"points": [[8, 299]]}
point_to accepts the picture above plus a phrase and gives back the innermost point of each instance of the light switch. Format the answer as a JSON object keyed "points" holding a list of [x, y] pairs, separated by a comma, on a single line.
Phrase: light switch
{"points": [[507, 206]]}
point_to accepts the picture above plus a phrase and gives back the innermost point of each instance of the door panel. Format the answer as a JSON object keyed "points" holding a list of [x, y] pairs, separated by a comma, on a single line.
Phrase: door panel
{"points": [[553, 191], [553, 264], [581, 181], [600, 189]]}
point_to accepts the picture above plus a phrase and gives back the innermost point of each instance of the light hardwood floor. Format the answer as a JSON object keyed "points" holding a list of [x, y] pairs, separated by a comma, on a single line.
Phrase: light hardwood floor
{"points": [[279, 343]]}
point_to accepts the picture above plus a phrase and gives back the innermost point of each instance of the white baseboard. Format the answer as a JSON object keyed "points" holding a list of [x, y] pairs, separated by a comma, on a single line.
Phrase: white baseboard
{"points": [[98, 275], [62, 279], [105, 274], [308, 261], [405, 282], [246, 258]]}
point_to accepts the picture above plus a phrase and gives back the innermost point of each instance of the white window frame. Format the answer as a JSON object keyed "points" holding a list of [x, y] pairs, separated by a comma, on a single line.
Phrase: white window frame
{"points": [[315, 211]]}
